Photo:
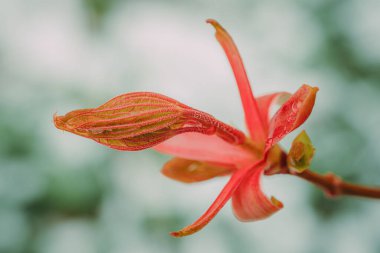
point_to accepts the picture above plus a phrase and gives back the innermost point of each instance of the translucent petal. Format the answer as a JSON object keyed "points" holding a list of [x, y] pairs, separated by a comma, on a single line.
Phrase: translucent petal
{"points": [[266, 102], [249, 202], [210, 148]]}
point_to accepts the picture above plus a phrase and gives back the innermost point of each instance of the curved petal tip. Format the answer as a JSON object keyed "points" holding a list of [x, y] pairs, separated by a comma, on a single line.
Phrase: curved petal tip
{"points": [[212, 22], [58, 122], [249, 203], [215, 207], [182, 233], [292, 114]]}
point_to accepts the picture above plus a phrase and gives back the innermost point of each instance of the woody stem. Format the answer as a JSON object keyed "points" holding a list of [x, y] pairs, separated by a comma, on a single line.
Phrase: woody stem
{"points": [[335, 186]]}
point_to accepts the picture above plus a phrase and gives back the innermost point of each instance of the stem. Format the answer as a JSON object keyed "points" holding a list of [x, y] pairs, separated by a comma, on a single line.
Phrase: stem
{"points": [[335, 186]]}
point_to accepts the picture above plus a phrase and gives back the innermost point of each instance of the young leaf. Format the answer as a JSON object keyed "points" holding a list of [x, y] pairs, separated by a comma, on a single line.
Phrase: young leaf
{"points": [[291, 114], [301, 153], [140, 120]]}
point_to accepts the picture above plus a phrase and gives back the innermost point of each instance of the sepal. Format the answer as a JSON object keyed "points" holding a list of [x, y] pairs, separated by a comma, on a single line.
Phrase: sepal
{"points": [[191, 171]]}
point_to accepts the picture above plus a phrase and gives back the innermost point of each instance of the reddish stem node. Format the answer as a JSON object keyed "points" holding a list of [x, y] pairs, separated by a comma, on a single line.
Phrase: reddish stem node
{"points": [[334, 186]]}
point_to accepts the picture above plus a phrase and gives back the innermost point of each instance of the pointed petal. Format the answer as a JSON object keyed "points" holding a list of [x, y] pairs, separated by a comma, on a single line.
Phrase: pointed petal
{"points": [[190, 171], [292, 114], [140, 120], [252, 116], [250, 203], [266, 102], [209, 148], [219, 202]]}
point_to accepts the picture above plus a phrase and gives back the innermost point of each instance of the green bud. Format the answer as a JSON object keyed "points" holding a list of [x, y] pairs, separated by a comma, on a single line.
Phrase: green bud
{"points": [[301, 153]]}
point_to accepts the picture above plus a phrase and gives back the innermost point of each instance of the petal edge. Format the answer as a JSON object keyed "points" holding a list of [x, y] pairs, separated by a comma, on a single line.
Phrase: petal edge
{"points": [[219, 202], [253, 118], [208, 148], [291, 114], [249, 203], [191, 171]]}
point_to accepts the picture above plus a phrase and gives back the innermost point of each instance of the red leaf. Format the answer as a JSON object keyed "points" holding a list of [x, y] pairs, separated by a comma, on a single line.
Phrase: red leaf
{"points": [[140, 120], [292, 114]]}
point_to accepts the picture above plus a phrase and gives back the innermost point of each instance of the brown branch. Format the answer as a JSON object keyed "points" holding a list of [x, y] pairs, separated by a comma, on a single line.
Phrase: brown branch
{"points": [[335, 186]]}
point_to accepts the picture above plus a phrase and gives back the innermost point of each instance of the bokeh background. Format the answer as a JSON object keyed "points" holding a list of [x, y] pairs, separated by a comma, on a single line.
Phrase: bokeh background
{"points": [[62, 193]]}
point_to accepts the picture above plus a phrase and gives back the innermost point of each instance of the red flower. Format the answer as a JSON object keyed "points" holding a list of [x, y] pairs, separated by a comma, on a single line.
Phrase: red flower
{"points": [[204, 147]]}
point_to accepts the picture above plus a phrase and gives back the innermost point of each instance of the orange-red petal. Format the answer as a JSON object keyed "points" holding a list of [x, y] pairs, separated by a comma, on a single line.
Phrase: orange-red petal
{"points": [[266, 102], [190, 171], [219, 202], [209, 148], [140, 120], [250, 203], [291, 114], [252, 115]]}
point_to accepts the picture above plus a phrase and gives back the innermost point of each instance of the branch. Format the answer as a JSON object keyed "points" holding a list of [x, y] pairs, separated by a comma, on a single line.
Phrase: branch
{"points": [[335, 186]]}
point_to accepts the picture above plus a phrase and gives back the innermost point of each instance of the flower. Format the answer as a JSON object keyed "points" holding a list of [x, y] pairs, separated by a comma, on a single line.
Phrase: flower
{"points": [[203, 146]]}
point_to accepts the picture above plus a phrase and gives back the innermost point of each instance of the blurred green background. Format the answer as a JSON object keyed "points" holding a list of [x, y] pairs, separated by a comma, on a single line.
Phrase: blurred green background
{"points": [[63, 193]]}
